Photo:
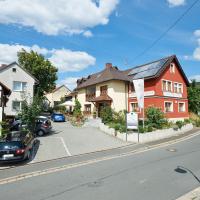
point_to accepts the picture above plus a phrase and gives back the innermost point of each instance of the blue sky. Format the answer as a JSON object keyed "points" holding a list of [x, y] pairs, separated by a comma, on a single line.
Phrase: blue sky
{"points": [[79, 37]]}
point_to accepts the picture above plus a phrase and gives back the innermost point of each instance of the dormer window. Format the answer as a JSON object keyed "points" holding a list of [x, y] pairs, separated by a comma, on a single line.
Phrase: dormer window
{"points": [[14, 69], [172, 68]]}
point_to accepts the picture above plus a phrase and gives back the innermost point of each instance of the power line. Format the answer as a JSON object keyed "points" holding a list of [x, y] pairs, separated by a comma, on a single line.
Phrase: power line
{"points": [[166, 31]]}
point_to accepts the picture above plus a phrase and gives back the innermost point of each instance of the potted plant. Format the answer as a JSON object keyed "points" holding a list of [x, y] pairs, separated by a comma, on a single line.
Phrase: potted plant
{"points": [[94, 114]]}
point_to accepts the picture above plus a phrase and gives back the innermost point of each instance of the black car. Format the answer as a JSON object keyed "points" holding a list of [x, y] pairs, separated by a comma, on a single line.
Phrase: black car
{"points": [[16, 146]]}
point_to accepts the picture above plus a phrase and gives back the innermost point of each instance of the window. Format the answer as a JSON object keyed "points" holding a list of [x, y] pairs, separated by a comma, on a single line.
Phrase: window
{"points": [[167, 86], [168, 107], [19, 86], [16, 105], [181, 107], [103, 90], [87, 107], [134, 107], [14, 69], [172, 68], [178, 87]]}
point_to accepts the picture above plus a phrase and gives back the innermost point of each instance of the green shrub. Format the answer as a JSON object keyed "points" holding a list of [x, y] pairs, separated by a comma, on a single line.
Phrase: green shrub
{"points": [[155, 117], [187, 121], [106, 115], [141, 129], [180, 124], [149, 128], [117, 127], [119, 117], [197, 123], [122, 128]]}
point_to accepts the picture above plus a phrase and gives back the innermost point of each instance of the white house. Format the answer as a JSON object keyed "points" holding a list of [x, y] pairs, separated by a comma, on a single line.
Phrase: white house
{"points": [[55, 96], [21, 84]]}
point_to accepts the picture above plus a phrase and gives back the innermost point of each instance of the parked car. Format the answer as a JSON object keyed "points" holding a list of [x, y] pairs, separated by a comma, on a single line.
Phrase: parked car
{"points": [[57, 117], [16, 146], [43, 126]]}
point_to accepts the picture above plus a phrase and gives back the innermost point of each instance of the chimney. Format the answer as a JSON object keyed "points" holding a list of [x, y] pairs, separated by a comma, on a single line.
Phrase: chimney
{"points": [[108, 65]]}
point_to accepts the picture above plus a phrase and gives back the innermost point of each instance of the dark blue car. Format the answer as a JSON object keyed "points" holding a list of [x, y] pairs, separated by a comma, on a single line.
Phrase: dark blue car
{"points": [[57, 117]]}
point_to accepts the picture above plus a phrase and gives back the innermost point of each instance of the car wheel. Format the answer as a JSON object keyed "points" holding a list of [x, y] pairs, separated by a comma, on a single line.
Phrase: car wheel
{"points": [[40, 133]]}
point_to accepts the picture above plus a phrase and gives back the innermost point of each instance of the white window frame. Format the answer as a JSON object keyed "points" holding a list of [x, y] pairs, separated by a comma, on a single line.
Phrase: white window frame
{"points": [[179, 86], [167, 90], [179, 107], [20, 106], [165, 106], [21, 89]]}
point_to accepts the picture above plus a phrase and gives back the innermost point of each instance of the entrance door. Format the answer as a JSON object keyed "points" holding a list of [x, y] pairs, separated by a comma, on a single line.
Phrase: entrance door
{"points": [[101, 106]]}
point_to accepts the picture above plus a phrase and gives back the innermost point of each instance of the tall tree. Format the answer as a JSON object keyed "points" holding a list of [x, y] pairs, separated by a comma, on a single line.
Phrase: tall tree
{"points": [[41, 68], [194, 97]]}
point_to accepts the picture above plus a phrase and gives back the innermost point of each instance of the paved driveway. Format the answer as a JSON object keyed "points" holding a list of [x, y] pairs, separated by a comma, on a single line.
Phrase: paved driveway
{"points": [[67, 140]]}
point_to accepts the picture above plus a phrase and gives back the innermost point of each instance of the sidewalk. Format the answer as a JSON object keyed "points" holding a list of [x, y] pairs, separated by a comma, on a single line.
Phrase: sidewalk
{"points": [[193, 195]]}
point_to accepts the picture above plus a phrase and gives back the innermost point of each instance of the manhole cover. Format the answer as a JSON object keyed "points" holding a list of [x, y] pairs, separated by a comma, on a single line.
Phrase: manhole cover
{"points": [[172, 150], [95, 184]]}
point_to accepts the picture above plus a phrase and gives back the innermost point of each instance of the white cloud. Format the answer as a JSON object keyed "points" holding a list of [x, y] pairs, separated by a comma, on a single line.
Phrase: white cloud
{"points": [[70, 82], [88, 34], [197, 33], [68, 60], [54, 17], [196, 54], [64, 59], [174, 3], [196, 77]]}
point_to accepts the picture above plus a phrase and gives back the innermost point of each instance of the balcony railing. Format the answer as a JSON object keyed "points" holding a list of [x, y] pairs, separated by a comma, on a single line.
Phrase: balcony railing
{"points": [[90, 96]]}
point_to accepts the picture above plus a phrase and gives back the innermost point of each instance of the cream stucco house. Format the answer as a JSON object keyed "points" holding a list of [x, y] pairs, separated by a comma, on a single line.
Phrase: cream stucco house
{"points": [[20, 82], [108, 87], [55, 96]]}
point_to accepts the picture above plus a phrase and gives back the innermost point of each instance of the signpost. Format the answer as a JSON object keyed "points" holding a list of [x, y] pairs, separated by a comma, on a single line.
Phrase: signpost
{"points": [[132, 122]]}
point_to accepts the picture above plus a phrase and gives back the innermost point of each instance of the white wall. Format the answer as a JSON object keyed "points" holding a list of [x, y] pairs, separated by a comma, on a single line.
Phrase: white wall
{"points": [[55, 96], [7, 76], [116, 90]]}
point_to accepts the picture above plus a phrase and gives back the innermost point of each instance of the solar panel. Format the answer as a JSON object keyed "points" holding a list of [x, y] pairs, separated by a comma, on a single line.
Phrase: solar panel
{"points": [[149, 69]]}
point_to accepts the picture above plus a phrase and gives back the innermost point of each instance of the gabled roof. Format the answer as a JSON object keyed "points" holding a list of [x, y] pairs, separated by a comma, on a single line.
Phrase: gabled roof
{"points": [[6, 90], [110, 73], [4, 67], [154, 69], [56, 89], [146, 71]]}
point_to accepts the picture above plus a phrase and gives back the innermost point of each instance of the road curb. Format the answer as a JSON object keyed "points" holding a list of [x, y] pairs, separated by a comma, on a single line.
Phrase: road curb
{"points": [[193, 195]]}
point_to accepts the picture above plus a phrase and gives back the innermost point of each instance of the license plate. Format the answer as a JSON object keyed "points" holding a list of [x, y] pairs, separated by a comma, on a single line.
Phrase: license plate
{"points": [[8, 156]]}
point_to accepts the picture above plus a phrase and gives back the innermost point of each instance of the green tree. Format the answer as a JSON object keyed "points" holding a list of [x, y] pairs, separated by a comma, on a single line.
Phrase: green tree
{"points": [[77, 109], [30, 111], [40, 68], [194, 97]]}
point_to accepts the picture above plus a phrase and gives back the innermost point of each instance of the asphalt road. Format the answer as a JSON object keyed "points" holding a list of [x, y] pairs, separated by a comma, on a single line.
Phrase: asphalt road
{"points": [[67, 140], [151, 175]]}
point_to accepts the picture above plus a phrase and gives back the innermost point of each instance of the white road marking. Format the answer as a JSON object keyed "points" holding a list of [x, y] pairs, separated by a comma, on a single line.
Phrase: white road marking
{"points": [[64, 145], [85, 163]]}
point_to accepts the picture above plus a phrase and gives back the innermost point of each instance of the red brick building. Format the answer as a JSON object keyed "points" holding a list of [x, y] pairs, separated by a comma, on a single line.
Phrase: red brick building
{"points": [[165, 87]]}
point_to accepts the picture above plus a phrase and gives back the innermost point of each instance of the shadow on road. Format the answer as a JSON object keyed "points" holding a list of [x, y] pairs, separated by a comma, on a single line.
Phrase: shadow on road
{"points": [[184, 170]]}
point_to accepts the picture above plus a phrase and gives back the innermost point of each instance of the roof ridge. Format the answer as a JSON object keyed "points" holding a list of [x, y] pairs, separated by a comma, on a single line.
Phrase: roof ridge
{"points": [[168, 57]]}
